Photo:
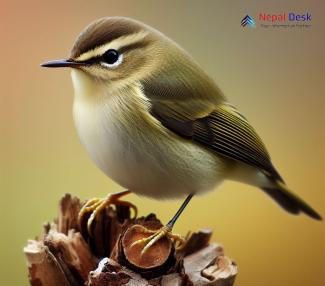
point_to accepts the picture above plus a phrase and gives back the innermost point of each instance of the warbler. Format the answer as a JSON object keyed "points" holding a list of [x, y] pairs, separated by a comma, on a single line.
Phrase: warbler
{"points": [[154, 122]]}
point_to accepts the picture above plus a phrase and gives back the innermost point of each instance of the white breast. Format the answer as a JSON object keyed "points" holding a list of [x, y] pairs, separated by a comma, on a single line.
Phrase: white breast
{"points": [[148, 162]]}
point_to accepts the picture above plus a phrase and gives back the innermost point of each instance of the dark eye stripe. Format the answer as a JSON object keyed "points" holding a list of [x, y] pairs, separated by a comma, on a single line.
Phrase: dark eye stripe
{"points": [[137, 45]]}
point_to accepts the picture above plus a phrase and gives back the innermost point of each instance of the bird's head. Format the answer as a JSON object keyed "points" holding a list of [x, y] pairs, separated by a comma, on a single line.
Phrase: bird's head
{"points": [[115, 50]]}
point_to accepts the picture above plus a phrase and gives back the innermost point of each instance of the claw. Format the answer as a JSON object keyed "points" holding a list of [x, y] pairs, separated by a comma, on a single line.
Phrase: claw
{"points": [[96, 205], [164, 231], [155, 236]]}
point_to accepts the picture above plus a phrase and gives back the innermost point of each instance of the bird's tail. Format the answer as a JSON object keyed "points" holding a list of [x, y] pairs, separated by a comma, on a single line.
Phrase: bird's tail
{"points": [[290, 202]]}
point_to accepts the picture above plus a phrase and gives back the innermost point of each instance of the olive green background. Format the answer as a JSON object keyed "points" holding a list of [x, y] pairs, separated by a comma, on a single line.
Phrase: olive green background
{"points": [[274, 76]]}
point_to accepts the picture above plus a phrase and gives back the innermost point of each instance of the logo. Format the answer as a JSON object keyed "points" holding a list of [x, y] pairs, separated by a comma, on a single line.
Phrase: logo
{"points": [[283, 17], [248, 21], [287, 20]]}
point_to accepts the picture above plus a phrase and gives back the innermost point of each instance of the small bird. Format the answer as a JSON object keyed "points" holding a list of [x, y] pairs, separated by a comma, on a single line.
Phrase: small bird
{"points": [[154, 122]]}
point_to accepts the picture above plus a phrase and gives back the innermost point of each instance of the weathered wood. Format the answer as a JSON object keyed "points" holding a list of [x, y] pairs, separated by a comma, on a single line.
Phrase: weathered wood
{"points": [[43, 268], [222, 272], [160, 259], [156, 255], [59, 259], [67, 255], [209, 266], [68, 213], [197, 241]]}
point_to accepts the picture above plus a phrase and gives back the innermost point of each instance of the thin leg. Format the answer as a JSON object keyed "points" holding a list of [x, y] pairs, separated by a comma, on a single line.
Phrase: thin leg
{"points": [[164, 231], [171, 223]]}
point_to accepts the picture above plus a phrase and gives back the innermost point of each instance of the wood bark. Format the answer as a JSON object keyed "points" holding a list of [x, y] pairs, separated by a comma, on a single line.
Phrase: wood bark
{"points": [[66, 255]]}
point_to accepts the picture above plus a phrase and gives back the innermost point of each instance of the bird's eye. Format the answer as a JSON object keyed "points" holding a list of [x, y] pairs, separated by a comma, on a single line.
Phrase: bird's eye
{"points": [[111, 58]]}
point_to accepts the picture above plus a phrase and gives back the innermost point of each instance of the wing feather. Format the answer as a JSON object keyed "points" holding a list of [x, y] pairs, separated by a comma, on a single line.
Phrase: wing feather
{"points": [[190, 105], [229, 137]]}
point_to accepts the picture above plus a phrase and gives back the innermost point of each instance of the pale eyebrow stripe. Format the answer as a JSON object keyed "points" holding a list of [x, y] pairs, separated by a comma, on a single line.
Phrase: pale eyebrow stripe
{"points": [[117, 44], [133, 46]]}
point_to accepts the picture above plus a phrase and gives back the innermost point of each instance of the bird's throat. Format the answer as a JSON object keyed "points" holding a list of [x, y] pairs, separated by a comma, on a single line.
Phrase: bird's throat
{"points": [[85, 87]]}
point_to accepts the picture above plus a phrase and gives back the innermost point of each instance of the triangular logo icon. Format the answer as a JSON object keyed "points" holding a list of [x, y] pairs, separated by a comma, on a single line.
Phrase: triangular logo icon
{"points": [[248, 21]]}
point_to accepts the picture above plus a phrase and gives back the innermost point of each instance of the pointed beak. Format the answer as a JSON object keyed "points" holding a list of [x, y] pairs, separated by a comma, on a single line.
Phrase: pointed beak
{"points": [[62, 64]]}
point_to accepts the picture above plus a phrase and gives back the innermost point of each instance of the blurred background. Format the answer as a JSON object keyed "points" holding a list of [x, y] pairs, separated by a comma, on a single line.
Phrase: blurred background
{"points": [[274, 76]]}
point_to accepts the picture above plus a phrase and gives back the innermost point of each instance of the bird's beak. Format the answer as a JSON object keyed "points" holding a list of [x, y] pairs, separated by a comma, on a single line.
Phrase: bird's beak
{"points": [[62, 63]]}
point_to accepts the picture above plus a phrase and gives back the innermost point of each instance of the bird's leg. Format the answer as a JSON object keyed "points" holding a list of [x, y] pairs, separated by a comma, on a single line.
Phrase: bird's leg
{"points": [[95, 205], [162, 232]]}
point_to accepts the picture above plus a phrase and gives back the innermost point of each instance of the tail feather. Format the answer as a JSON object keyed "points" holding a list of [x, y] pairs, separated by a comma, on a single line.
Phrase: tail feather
{"points": [[290, 202]]}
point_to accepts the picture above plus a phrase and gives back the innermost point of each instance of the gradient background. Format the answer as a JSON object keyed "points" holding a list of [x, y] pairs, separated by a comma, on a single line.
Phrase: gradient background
{"points": [[275, 77]]}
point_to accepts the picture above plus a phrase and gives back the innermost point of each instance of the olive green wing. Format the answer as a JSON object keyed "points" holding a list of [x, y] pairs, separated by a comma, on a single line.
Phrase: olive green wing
{"points": [[211, 123], [226, 132], [234, 137]]}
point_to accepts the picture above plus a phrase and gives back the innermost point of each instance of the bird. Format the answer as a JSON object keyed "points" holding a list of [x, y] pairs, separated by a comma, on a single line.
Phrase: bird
{"points": [[157, 124]]}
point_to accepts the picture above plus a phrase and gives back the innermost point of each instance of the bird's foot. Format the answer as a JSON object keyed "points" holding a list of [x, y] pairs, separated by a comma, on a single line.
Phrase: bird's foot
{"points": [[155, 236], [95, 205]]}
